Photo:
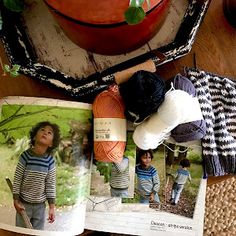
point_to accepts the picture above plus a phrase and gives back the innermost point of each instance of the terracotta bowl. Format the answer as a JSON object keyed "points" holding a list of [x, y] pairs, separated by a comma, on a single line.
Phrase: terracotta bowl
{"points": [[100, 27]]}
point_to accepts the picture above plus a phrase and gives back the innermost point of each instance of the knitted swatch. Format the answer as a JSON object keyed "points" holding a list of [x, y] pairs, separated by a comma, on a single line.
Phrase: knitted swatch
{"points": [[217, 98]]}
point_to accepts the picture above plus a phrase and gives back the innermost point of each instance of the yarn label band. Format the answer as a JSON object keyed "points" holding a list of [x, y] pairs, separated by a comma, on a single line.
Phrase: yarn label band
{"points": [[109, 129]]}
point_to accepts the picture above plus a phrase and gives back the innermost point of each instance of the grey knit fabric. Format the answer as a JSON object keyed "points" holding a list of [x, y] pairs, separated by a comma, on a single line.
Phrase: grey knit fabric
{"points": [[217, 98]]}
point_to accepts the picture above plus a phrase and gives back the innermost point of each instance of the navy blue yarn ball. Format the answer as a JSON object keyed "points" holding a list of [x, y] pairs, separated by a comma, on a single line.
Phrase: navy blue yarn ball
{"points": [[143, 93]]}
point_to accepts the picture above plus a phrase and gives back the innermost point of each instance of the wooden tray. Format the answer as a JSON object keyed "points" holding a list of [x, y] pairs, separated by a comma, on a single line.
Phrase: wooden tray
{"points": [[34, 41]]}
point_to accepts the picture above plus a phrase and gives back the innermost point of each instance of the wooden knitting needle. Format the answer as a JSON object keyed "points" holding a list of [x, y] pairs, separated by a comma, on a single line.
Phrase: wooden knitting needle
{"points": [[95, 85], [23, 212], [123, 76]]}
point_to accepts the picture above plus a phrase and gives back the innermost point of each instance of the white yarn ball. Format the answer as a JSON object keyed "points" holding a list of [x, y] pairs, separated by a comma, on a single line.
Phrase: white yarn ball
{"points": [[172, 112]]}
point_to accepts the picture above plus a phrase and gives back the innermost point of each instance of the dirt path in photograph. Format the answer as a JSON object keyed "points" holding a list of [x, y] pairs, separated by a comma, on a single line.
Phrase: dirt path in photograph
{"points": [[185, 206]]}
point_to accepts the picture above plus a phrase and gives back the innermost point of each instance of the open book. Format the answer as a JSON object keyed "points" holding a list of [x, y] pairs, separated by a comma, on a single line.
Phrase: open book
{"points": [[83, 185]]}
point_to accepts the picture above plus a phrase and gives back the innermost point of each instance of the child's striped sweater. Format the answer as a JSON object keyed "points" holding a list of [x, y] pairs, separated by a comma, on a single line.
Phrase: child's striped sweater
{"points": [[35, 178], [148, 180]]}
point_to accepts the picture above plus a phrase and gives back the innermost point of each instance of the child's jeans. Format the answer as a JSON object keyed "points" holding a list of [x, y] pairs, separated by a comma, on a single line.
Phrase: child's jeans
{"points": [[146, 199], [119, 192], [36, 214], [176, 191]]}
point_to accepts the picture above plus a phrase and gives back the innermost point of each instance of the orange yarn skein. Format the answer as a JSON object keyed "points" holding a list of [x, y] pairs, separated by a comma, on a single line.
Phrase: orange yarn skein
{"points": [[109, 104]]}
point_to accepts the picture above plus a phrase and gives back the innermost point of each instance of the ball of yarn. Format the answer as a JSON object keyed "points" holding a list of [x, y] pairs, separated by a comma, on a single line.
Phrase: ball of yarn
{"points": [[193, 130], [109, 104], [189, 131], [145, 140], [183, 83], [156, 128], [142, 94]]}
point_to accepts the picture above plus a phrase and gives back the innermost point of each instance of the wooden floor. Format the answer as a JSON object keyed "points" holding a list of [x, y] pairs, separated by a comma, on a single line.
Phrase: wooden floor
{"points": [[214, 50]]}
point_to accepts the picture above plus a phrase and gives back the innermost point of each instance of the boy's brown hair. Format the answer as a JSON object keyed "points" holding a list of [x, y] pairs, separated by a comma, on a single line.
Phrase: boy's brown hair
{"points": [[56, 134], [185, 162]]}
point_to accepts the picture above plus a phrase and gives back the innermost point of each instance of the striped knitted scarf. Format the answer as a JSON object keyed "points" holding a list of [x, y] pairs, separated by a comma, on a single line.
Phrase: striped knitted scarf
{"points": [[217, 98]]}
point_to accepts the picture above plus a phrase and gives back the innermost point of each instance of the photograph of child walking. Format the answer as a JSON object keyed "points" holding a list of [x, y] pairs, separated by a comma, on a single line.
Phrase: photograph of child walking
{"points": [[180, 177], [45, 152], [183, 177], [167, 179]]}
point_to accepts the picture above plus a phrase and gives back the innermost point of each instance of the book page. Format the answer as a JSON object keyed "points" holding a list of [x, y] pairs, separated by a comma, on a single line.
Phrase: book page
{"points": [[150, 223], [20, 136], [183, 217]]}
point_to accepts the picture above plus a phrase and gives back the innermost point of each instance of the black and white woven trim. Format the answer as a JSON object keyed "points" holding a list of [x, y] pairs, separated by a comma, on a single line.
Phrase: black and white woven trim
{"points": [[217, 98]]}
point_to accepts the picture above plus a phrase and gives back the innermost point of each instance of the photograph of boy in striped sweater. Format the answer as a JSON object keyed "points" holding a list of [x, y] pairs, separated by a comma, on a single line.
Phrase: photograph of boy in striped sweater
{"points": [[148, 181], [35, 177]]}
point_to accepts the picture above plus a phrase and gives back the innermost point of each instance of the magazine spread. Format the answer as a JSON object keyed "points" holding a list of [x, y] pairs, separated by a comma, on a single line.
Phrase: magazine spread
{"points": [[90, 194]]}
